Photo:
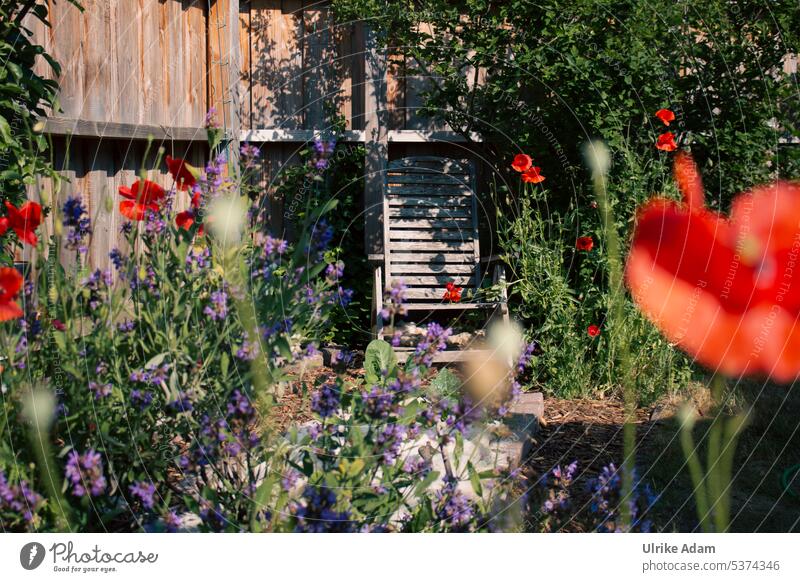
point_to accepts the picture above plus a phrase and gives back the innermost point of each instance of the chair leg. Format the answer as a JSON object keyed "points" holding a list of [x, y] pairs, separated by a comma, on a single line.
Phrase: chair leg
{"points": [[377, 302]]}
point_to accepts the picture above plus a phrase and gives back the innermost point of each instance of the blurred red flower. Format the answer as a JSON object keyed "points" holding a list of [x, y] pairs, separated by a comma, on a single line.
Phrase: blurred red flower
{"points": [[532, 175], [141, 197], [666, 142], [23, 221], [593, 330], [665, 115], [181, 172], [185, 219], [453, 293], [522, 162], [10, 284], [584, 243], [723, 288]]}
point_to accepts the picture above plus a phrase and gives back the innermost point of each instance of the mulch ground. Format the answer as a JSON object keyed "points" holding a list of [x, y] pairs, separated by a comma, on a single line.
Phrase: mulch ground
{"points": [[589, 431], [583, 430]]}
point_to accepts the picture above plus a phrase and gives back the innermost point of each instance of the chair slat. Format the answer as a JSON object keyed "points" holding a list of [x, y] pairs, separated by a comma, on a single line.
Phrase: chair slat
{"points": [[441, 270], [438, 281], [428, 293], [440, 190], [431, 246], [428, 212], [435, 179], [432, 259], [456, 235], [422, 223], [433, 201]]}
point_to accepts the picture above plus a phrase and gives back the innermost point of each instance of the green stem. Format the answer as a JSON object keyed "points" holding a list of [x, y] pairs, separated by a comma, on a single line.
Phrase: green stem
{"points": [[616, 319], [696, 473]]}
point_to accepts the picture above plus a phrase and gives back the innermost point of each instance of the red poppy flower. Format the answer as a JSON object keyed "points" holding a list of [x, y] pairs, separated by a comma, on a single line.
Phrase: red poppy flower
{"points": [[453, 293], [666, 142], [584, 243], [532, 175], [10, 284], [593, 330], [522, 162], [665, 115], [139, 202], [721, 288], [185, 219], [23, 221], [181, 172], [59, 325]]}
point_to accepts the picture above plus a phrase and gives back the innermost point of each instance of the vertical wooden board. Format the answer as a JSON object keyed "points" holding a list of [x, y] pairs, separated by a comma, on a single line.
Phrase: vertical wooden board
{"points": [[66, 32], [342, 38], [99, 89], [276, 63], [416, 82], [197, 65], [376, 144], [128, 37], [356, 73], [320, 77], [98, 185], [215, 98], [171, 46], [396, 89], [245, 82], [152, 82]]}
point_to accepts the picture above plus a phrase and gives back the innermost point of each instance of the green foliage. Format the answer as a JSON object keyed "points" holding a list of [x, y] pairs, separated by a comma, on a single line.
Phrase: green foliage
{"points": [[560, 291], [558, 73], [24, 95], [304, 185]]}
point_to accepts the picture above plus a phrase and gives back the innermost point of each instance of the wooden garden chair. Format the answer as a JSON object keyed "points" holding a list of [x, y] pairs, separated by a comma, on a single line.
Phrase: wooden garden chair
{"points": [[430, 238]]}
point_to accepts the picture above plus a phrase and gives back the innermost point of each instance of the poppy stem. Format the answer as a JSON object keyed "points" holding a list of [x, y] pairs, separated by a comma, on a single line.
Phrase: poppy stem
{"points": [[598, 159]]}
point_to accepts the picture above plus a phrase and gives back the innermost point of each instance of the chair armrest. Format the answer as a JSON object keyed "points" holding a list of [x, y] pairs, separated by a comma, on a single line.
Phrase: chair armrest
{"points": [[375, 258]]}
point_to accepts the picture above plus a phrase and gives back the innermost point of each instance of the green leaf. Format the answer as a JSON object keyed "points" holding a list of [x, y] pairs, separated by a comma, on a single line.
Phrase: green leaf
{"points": [[475, 480], [156, 360], [379, 358]]}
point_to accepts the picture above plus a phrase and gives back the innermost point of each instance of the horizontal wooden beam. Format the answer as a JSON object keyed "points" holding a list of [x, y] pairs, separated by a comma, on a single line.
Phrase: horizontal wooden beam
{"points": [[357, 136], [294, 135], [111, 130], [421, 136]]}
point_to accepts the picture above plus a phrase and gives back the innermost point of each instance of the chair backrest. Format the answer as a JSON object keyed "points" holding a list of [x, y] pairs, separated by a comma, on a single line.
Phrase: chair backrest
{"points": [[430, 226]]}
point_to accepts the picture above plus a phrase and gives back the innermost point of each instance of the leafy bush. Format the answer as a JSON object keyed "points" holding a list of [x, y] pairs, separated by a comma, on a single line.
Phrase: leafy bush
{"points": [[558, 289], [24, 96], [558, 73]]}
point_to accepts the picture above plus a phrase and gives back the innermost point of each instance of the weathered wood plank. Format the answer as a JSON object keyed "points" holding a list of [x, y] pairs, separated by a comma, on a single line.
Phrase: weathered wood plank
{"points": [[414, 293], [438, 281], [441, 202], [436, 223], [428, 212], [431, 246], [434, 268], [277, 63], [454, 235], [318, 64], [431, 258], [428, 178], [455, 189], [88, 128], [376, 143], [245, 46]]}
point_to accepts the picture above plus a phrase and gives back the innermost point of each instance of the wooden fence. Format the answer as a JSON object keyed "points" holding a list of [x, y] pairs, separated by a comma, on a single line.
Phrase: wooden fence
{"points": [[277, 71]]}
